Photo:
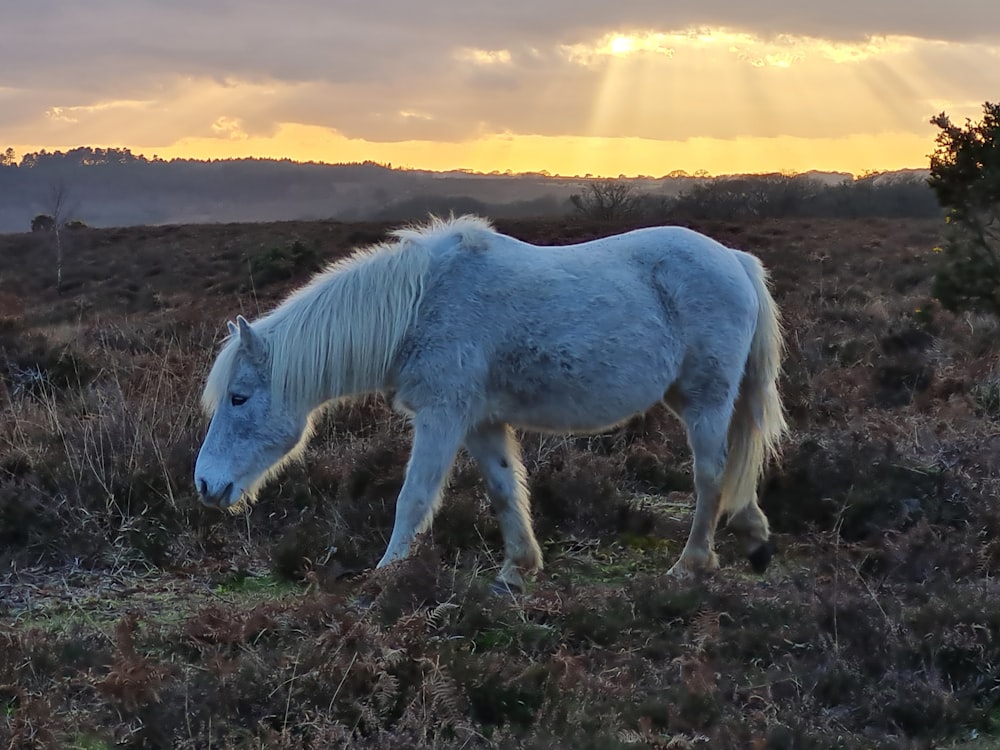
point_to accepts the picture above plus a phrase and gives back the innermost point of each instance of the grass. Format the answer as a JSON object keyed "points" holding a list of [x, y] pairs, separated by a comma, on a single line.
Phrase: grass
{"points": [[86, 742], [248, 587], [132, 616], [598, 562]]}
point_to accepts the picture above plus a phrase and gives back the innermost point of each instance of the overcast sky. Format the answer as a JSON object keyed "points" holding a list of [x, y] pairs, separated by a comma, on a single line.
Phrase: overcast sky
{"points": [[570, 86]]}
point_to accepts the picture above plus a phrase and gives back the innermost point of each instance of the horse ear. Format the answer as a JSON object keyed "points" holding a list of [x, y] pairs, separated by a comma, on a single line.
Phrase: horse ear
{"points": [[249, 340], [233, 330]]}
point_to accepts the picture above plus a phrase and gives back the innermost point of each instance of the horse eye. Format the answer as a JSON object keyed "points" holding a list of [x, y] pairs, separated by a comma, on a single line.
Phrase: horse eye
{"points": [[237, 400]]}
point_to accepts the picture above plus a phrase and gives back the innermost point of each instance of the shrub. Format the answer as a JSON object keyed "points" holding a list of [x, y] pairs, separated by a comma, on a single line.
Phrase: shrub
{"points": [[281, 263], [965, 177], [607, 200], [43, 223]]}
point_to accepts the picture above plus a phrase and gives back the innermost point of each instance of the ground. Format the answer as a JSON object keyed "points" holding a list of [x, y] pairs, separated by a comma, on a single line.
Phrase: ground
{"points": [[132, 616]]}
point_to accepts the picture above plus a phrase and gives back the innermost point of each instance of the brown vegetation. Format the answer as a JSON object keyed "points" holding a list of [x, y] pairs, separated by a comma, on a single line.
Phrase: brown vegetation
{"points": [[132, 616]]}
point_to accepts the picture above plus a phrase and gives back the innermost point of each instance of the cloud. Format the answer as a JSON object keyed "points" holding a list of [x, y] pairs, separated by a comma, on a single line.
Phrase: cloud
{"points": [[149, 73], [103, 44]]}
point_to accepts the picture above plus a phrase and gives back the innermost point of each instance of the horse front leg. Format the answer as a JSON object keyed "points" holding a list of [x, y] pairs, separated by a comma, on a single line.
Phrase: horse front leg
{"points": [[436, 439]]}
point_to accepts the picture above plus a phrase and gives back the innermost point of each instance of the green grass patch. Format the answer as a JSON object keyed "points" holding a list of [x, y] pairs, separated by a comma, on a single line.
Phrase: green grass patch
{"points": [[244, 586], [527, 637], [613, 563], [89, 742]]}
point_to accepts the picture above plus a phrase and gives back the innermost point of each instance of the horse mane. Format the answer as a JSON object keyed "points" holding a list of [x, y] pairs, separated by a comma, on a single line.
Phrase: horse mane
{"points": [[340, 332], [471, 231]]}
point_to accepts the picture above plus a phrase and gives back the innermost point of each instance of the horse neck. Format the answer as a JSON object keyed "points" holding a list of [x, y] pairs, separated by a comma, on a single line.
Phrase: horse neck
{"points": [[339, 336]]}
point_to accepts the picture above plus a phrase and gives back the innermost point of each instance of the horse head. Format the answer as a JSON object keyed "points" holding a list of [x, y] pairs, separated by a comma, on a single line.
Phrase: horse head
{"points": [[252, 432]]}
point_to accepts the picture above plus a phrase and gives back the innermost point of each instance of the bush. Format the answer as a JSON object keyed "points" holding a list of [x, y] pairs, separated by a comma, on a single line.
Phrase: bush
{"points": [[43, 223], [281, 263], [607, 200], [965, 177]]}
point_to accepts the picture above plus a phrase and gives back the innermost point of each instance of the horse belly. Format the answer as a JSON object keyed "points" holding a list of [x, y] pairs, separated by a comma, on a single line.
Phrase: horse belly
{"points": [[555, 417], [571, 398]]}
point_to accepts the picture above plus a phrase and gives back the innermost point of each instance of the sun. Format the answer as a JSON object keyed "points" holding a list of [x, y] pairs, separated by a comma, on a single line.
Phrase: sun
{"points": [[621, 44]]}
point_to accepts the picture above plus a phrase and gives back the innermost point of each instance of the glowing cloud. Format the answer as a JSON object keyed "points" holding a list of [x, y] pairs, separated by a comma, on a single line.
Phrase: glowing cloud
{"points": [[486, 91], [229, 127], [483, 56], [781, 51]]}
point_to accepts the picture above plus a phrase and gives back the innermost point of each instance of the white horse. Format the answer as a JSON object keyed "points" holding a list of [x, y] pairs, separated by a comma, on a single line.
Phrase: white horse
{"points": [[473, 332]]}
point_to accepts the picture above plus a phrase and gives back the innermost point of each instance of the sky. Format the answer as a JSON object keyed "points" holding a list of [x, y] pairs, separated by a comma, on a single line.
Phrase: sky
{"points": [[571, 87]]}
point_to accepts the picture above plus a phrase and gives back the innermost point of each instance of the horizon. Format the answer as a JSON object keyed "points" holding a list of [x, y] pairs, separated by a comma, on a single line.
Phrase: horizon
{"points": [[545, 174], [565, 88]]}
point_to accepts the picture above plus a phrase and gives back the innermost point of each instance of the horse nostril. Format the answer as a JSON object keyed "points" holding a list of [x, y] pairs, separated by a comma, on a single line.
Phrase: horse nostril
{"points": [[203, 488], [226, 491]]}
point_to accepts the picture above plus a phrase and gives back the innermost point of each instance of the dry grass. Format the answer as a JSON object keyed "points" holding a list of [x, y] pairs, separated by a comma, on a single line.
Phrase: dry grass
{"points": [[130, 615]]}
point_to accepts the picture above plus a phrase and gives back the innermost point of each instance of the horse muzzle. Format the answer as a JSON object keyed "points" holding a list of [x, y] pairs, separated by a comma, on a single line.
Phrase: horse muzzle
{"points": [[221, 498]]}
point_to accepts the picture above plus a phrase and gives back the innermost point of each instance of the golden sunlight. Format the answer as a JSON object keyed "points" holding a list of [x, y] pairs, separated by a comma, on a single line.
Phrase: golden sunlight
{"points": [[568, 155], [782, 50], [622, 45], [733, 81], [642, 102]]}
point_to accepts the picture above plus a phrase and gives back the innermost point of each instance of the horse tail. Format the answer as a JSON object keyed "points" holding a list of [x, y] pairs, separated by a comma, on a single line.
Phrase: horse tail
{"points": [[758, 422]]}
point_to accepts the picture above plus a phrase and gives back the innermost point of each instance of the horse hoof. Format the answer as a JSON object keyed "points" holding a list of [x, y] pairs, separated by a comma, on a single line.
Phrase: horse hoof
{"points": [[505, 589], [694, 566], [760, 558], [680, 572]]}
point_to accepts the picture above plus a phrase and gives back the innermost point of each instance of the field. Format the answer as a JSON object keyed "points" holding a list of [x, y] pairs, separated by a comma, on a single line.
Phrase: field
{"points": [[132, 616]]}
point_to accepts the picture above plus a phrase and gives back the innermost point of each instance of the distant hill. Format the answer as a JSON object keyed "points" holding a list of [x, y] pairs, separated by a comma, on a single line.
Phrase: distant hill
{"points": [[114, 187]]}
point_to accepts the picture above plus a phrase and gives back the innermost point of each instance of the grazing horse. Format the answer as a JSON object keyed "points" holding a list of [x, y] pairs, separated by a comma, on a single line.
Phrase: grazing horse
{"points": [[474, 333]]}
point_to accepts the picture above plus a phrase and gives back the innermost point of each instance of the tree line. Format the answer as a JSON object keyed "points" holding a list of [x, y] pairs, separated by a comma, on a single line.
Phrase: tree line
{"points": [[114, 186], [890, 195]]}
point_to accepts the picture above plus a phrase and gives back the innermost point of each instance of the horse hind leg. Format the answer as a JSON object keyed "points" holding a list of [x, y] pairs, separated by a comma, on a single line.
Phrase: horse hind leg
{"points": [[747, 453], [707, 434], [727, 455], [497, 453]]}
